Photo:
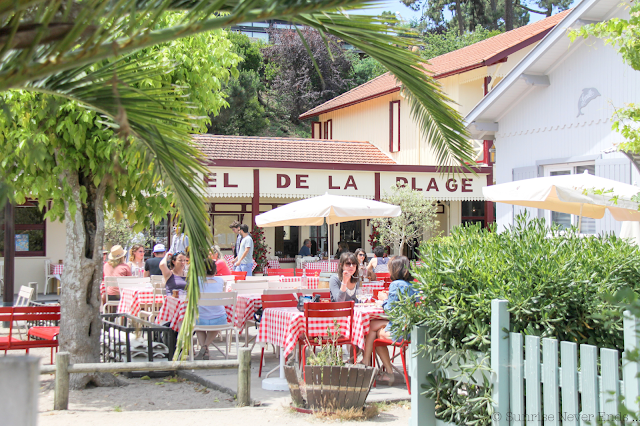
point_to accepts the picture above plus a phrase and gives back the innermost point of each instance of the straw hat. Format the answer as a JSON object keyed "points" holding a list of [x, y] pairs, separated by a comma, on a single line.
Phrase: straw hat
{"points": [[117, 252]]}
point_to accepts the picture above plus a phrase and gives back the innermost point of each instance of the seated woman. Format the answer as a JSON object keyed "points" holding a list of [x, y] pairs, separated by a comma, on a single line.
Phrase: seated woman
{"points": [[209, 315], [363, 272], [343, 286], [221, 266], [381, 329], [379, 263], [116, 267], [174, 272]]}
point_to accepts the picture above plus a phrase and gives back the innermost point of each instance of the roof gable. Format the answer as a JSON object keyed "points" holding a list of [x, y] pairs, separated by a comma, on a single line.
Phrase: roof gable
{"points": [[484, 53]]}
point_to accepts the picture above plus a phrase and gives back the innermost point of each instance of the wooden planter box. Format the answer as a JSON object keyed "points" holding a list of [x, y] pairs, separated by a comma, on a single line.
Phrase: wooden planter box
{"points": [[330, 388]]}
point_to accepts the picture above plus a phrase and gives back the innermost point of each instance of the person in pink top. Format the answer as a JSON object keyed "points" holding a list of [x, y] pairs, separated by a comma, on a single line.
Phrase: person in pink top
{"points": [[116, 267], [221, 266]]}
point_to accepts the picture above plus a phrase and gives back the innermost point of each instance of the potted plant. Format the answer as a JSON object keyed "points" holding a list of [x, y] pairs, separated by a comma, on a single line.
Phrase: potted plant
{"points": [[329, 384]]}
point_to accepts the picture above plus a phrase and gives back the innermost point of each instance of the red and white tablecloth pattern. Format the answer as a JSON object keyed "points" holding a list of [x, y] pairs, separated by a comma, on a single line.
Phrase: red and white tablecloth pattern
{"points": [[174, 309], [273, 263], [131, 299], [374, 285], [282, 326], [323, 265], [228, 259], [312, 282], [56, 268]]}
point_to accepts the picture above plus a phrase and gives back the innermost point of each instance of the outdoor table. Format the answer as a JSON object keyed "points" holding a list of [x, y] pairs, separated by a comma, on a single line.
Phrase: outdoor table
{"points": [[56, 269], [312, 282], [282, 326], [132, 298], [173, 310], [323, 265]]}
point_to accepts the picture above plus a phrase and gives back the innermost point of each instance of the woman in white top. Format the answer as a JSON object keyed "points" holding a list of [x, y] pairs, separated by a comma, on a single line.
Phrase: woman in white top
{"points": [[136, 260], [209, 315]]}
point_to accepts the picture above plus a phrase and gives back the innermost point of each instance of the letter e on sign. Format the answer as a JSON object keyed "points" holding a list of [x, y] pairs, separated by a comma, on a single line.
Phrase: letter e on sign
{"points": [[466, 185], [283, 181], [226, 182], [301, 181], [451, 185]]}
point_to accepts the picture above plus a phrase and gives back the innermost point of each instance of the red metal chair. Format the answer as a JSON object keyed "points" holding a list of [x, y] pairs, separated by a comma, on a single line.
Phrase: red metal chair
{"points": [[403, 345], [276, 301], [241, 275], [309, 272], [289, 272], [323, 294], [326, 310]]}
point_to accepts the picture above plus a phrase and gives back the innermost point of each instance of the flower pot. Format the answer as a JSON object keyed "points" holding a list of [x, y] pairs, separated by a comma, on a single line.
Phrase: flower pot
{"points": [[331, 388]]}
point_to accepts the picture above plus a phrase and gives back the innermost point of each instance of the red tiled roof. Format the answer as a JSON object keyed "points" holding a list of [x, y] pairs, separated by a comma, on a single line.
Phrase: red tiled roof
{"points": [[484, 53], [218, 147]]}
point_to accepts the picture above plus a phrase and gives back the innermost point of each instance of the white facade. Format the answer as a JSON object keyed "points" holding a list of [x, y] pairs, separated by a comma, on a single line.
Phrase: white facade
{"points": [[563, 123]]}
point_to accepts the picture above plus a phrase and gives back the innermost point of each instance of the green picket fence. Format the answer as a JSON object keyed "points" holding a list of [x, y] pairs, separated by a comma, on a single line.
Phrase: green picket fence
{"points": [[528, 390]]}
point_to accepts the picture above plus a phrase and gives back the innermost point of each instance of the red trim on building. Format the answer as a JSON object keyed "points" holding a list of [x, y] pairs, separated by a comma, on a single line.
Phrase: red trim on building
{"points": [[502, 56], [255, 201], [377, 95], [377, 186], [489, 216]]}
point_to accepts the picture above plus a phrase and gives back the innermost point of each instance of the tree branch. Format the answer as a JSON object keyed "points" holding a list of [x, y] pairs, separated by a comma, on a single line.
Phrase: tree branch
{"points": [[531, 10]]}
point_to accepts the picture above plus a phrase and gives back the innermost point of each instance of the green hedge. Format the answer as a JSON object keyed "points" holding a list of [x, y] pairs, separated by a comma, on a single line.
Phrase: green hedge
{"points": [[558, 285]]}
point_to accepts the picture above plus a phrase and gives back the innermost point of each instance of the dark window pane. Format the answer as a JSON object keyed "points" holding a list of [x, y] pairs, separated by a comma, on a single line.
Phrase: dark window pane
{"points": [[29, 216], [472, 208]]}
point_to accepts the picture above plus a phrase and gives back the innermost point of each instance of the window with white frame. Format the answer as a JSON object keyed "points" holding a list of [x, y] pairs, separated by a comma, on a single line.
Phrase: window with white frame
{"points": [[566, 220]]}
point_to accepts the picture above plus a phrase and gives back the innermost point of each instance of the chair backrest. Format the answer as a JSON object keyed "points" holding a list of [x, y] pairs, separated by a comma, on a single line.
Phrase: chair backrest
{"points": [[224, 298], [287, 272], [309, 272], [37, 313], [156, 279], [328, 310], [111, 281], [133, 282], [383, 276], [47, 268], [240, 274], [271, 291], [6, 315], [256, 278], [24, 296], [322, 294], [295, 285], [249, 287], [284, 300]]}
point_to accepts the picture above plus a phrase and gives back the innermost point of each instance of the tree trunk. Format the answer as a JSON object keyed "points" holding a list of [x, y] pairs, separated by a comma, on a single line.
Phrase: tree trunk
{"points": [[508, 15], [80, 295], [460, 17]]}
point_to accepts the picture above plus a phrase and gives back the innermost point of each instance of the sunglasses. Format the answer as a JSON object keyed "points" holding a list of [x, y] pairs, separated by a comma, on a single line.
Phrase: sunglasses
{"points": [[361, 254], [349, 264]]}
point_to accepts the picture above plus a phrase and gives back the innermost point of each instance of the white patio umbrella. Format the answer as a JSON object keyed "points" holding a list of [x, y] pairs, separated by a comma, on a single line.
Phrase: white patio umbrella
{"points": [[328, 209], [573, 194]]}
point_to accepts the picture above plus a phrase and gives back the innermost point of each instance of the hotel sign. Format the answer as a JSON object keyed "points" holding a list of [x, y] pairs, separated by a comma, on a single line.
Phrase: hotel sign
{"points": [[304, 183]]}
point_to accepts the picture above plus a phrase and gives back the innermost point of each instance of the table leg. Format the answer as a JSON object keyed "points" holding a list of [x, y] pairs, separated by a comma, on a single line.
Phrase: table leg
{"points": [[277, 383]]}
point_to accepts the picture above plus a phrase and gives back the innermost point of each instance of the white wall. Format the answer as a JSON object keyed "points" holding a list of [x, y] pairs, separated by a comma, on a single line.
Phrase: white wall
{"points": [[544, 124]]}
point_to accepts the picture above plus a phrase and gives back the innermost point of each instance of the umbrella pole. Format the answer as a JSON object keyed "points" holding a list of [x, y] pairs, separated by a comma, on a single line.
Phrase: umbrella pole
{"points": [[580, 219]]}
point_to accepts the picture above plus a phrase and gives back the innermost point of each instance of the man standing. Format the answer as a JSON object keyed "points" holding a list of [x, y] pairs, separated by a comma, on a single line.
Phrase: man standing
{"points": [[152, 265], [235, 227], [244, 261], [306, 248]]}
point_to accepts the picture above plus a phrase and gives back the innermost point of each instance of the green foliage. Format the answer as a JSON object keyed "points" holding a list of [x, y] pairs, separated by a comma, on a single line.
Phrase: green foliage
{"points": [[437, 44], [249, 51], [119, 231], [363, 69], [416, 220], [624, 36], [260, 248], [330, 353]]}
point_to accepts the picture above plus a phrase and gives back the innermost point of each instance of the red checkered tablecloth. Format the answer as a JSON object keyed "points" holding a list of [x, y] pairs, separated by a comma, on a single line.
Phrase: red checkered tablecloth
{"points": [[323, 265], [312, 282], [273, 263], [174, 309], [131, 299], [374, 285], [56, 269], [282, 326]]}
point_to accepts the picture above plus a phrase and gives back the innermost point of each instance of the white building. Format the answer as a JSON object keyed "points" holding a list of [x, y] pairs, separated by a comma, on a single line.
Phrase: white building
{"points": [[552, 113]]}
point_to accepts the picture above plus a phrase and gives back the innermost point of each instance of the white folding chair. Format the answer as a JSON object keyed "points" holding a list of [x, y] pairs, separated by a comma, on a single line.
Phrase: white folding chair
{"points": [[295, 285], [48, 275], [25, 295], [250, 287], [151, 310], [225, 298], [110, 282]]}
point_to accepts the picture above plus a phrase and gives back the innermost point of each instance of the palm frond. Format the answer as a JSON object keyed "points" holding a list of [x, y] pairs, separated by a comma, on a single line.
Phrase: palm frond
{"points": [[145, 117]]}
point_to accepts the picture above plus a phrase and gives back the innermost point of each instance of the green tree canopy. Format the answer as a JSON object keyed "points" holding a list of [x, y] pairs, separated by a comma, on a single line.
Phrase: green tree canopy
{"points": [[439, 44]]}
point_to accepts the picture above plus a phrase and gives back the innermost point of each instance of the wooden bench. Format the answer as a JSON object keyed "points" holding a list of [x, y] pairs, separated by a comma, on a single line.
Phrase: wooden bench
{"points": [[43, 335]]}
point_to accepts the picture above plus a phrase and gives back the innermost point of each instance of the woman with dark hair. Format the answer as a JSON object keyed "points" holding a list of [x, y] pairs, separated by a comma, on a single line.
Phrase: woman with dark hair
{"points": [[379, 263], [362, 266], [173, 271], [343, 247], [401, 283], [343, 286]]}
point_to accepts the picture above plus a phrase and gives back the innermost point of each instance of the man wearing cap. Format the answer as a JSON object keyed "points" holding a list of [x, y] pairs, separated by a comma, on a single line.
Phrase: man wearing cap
{"points": [[152, 265]]}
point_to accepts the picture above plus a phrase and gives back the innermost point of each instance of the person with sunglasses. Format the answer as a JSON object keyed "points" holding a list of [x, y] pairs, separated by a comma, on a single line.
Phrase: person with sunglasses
{"points": [[343, 286], [363, 272]]}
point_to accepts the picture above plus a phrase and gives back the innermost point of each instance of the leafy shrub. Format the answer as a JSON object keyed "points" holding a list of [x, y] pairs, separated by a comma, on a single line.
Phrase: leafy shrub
{"points": [[558, 285]]}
